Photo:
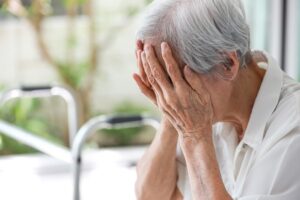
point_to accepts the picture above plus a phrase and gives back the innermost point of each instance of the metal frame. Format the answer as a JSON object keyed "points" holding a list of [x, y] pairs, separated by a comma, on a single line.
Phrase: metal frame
{"points": [[77, 140], [292, 42], [102, 122], [56, 151], [10, 130], [275, 28], [48, 91]]}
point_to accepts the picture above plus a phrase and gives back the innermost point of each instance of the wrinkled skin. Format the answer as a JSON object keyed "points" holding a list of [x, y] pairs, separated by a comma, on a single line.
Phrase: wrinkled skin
{"points": [[182, 97]]}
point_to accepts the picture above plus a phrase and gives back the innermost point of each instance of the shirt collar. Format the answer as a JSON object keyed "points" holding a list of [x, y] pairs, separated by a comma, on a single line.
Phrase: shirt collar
{"points": [[265, 103]]}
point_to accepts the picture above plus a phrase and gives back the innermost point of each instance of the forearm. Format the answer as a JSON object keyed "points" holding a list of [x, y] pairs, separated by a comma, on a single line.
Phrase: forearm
{"points": [[203, 169], [156, 171]]}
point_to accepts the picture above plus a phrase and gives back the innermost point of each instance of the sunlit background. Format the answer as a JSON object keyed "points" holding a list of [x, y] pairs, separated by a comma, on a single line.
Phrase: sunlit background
{"points": [[87, 46]]}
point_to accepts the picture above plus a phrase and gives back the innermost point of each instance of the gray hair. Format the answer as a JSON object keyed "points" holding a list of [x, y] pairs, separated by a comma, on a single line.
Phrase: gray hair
{"points": [[201, 32]]}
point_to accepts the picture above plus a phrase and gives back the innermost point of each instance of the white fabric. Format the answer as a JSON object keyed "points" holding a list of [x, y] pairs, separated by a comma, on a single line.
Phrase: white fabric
{"points": [[265, 165]]}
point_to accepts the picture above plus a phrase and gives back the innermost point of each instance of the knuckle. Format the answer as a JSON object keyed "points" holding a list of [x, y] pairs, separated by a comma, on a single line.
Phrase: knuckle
{"points": [[156, 73], [151, 80], [147, 71], [144, 63], [148, 56]]}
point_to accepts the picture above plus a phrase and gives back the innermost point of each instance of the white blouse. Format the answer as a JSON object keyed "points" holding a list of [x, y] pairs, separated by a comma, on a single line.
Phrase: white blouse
{"points": [[265, 165]]}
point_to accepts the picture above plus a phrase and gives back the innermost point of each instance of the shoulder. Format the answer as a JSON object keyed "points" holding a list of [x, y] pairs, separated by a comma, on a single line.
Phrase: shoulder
{"points": [[284, 122], [287, 111]]}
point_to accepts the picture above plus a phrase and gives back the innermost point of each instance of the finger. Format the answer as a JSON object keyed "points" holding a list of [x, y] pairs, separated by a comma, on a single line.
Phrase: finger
{"points": [[149, 75], [165, 107], [141, 69], [144, 89], [156, 88], [152, 81], [139, 45], [168, 107], [171, 65], [194, 80], [157, 70], [162, 93]]}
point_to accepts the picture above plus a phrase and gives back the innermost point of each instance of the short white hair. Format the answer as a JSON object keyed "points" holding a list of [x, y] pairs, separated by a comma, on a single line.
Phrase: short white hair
{"points": [[201, 32]]}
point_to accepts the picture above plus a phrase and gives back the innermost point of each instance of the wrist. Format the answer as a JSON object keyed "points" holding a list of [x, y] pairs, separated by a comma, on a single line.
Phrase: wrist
{"points": [[166, 125], [203, 137], [167, 132]]}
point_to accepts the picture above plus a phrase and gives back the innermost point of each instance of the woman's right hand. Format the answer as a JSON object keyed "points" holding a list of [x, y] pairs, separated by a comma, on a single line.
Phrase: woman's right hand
{"points": [[143, 83], [141, 79]]}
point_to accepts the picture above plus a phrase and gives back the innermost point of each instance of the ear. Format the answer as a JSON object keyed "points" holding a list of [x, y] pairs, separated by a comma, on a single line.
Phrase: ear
{"points": [[230, 68]]}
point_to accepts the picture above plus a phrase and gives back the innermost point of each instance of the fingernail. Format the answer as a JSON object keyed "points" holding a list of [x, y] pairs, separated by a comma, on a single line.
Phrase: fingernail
{"points": [[139, 43], [187, 70], [164, 45]]}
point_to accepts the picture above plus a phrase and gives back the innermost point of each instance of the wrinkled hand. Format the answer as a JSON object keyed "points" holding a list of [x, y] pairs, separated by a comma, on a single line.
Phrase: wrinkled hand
{"points": [[181, 97], [141, 78], [145, 87]]}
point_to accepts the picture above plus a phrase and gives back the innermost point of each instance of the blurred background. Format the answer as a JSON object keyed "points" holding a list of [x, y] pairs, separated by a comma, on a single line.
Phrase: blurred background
{"points": [[88, 47]]}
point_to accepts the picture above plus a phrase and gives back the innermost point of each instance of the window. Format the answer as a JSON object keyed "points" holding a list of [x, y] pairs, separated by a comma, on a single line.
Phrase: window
{"points": [[275, 28], [292, 39]]}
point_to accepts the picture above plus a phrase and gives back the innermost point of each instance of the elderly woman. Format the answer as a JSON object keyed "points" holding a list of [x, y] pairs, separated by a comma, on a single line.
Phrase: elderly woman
{"points": [[231, 117]]}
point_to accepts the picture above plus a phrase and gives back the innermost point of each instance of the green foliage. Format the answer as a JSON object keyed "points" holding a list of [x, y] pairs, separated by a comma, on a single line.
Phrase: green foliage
{"points": [[23, 113], [70, 3], [124, 137], [3, 9]]}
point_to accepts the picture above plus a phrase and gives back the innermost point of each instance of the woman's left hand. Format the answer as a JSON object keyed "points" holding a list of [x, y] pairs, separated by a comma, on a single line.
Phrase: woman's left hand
{"points": [[183, 98]]}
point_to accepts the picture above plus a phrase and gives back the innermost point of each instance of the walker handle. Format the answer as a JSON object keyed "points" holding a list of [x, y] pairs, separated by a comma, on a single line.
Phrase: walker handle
{"points": [[124, 119], [35, 88]]}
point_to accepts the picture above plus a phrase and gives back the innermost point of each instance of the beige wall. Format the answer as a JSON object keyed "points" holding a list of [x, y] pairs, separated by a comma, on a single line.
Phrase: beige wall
{"points": [[21, 63]]}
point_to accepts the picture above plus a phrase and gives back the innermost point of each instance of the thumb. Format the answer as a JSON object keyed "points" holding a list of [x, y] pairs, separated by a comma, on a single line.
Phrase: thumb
{"points": [[194, 80]]}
